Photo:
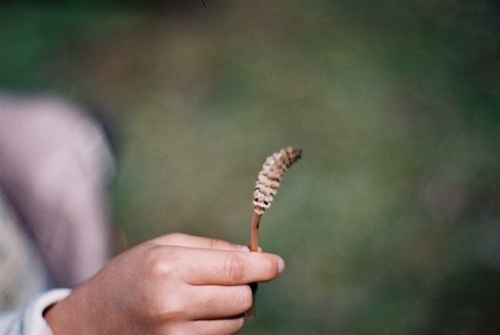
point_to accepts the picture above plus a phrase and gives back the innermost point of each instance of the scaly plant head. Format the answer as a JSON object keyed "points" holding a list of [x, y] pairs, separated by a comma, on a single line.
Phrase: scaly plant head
{"points": [[269, 178], [268, 181]]}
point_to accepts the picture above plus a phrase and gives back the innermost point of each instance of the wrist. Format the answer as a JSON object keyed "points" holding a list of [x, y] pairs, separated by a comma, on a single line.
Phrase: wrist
{"points": [[67, 316], [55, 317]]}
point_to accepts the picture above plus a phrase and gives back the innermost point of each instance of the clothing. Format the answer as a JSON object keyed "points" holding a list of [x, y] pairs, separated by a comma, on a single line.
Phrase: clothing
{"points": [[29, 320], [22, 272], [55, 165], [54, 168]]}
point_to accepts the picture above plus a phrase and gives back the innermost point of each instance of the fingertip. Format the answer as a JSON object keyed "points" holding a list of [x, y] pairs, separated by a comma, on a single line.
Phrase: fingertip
{"points": [[240, 247], [281, 265]]}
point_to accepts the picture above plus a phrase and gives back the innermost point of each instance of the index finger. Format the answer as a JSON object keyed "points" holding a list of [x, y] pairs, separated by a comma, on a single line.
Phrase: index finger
{"points": [[191, 241], [219, 267]]}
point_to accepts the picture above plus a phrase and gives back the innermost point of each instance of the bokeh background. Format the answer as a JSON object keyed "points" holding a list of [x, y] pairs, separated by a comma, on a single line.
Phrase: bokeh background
{"points": [[390, 224]]}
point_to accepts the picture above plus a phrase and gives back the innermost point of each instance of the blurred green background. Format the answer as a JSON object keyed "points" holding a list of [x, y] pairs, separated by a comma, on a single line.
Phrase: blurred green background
{"points": [[390, 224]]}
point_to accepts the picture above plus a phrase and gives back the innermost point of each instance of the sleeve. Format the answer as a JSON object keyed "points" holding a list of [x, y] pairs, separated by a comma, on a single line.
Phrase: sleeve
{"points": [[56, 165], [29, 320]]}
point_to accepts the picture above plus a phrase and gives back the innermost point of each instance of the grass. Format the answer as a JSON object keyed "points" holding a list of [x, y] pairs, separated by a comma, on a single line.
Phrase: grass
{"points": [[389, 222]]}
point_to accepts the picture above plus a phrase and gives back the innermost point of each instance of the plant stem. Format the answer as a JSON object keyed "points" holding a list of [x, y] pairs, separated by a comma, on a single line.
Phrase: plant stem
{"points": [[254, 237], [254, 246]]}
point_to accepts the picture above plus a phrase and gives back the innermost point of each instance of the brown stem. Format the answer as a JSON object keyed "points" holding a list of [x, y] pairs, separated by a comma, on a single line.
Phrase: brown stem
{"points": [[254, 246], [254, 237]]}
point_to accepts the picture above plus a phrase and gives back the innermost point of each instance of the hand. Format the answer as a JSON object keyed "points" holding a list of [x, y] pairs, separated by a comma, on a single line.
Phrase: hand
{"points": [[175, 284]]}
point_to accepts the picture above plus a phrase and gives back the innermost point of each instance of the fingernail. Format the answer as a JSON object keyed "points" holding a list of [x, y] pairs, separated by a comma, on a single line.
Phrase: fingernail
{"points": [[242, 247], [281, 265]]}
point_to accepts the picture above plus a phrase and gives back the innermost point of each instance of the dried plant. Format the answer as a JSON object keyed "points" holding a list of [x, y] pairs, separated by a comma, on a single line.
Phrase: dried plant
{"points": [[266, 186]]}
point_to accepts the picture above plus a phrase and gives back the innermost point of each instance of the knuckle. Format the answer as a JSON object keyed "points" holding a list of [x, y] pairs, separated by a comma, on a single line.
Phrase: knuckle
{"points": [[171, 307], [159, 264], [174, 308], [234, 268]]}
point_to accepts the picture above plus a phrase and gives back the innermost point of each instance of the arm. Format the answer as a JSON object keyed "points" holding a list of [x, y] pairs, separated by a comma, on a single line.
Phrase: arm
{"points": [[175, 284]]}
